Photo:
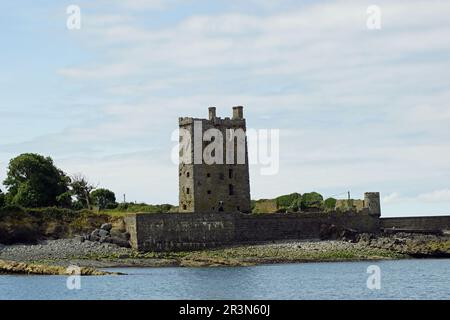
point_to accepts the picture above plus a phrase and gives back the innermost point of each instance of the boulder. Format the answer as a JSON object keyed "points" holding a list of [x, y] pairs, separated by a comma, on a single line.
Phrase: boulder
{"points": [[103, 233], [95, 233], [120, 242], [347, 234], [106, 239], [121, 235], [94, 238], [106, 226], [333, 232], [116, 233]]}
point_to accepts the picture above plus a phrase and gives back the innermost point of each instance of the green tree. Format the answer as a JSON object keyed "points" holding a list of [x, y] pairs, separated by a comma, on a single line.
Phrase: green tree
{"points": [[81, 188], [103, 198], [290, 202], [312, 200], [65, 200], [330, 203], [34, 181], [2, 199]]}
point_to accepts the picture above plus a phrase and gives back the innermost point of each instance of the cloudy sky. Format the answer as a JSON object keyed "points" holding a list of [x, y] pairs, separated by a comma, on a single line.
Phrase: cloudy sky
{"points": [[358, 109]]}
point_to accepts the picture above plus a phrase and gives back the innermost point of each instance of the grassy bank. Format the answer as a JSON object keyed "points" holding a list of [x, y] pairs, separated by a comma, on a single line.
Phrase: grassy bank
{"points": [[125, 208], [23, 225]]}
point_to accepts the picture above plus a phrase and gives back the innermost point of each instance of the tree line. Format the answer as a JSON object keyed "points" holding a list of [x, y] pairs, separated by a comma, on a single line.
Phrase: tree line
{"points": [[34, 181]]}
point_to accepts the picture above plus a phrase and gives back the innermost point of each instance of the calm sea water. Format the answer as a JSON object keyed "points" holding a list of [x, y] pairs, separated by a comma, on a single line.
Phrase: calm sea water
{"points": [[403, 279]]}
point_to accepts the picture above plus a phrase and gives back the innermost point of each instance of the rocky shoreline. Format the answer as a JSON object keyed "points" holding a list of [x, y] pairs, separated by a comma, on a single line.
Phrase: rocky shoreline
{"points": [[95, 254], [13, 267]]}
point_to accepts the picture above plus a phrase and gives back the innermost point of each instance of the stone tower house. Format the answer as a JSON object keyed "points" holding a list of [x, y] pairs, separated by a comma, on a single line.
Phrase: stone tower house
{"points": [[372, 203], [222, 185]]}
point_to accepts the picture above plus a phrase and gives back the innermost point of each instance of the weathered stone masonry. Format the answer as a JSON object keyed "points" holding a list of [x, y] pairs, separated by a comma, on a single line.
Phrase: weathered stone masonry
{"points": [[435, 223], [214, 187], [191, 231]]}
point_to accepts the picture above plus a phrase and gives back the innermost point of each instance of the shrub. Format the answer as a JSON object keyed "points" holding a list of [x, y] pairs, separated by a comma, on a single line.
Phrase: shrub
{"points": [[290, 202], [122, 207], [77, 205], [111, 206], [330, 203], [312, 200], [143, 207], [53, 213]]}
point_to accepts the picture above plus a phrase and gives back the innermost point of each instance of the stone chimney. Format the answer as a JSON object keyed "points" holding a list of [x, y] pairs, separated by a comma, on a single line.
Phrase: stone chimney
{"points": [[238, 112], [212, 113]]}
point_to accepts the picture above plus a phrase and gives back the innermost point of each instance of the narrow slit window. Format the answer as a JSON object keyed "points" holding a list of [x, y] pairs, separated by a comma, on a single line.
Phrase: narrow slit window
{"points": [[230, 173]]}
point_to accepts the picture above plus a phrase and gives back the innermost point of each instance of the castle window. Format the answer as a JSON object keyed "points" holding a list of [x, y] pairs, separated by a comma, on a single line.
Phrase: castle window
{"points": [[238, 208], [208, 192], [230, 189], [184, 207], [187, 174], [187, 190], [230, 173], [208, 175]]}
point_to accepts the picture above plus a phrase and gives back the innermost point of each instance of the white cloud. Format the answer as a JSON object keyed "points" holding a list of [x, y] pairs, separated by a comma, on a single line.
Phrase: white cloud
{"points": [[391, 198], [134, 5], [99, 72], [436, 196], [143, 4]]}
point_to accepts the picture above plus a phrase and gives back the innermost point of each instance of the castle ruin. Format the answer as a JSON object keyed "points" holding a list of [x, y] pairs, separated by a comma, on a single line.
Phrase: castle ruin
{"points": [[214, 190], [214, 175]]}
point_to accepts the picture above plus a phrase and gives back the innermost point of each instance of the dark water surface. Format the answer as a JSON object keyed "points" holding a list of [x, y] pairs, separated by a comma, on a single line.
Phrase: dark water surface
{"points": [[402, 279]]}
